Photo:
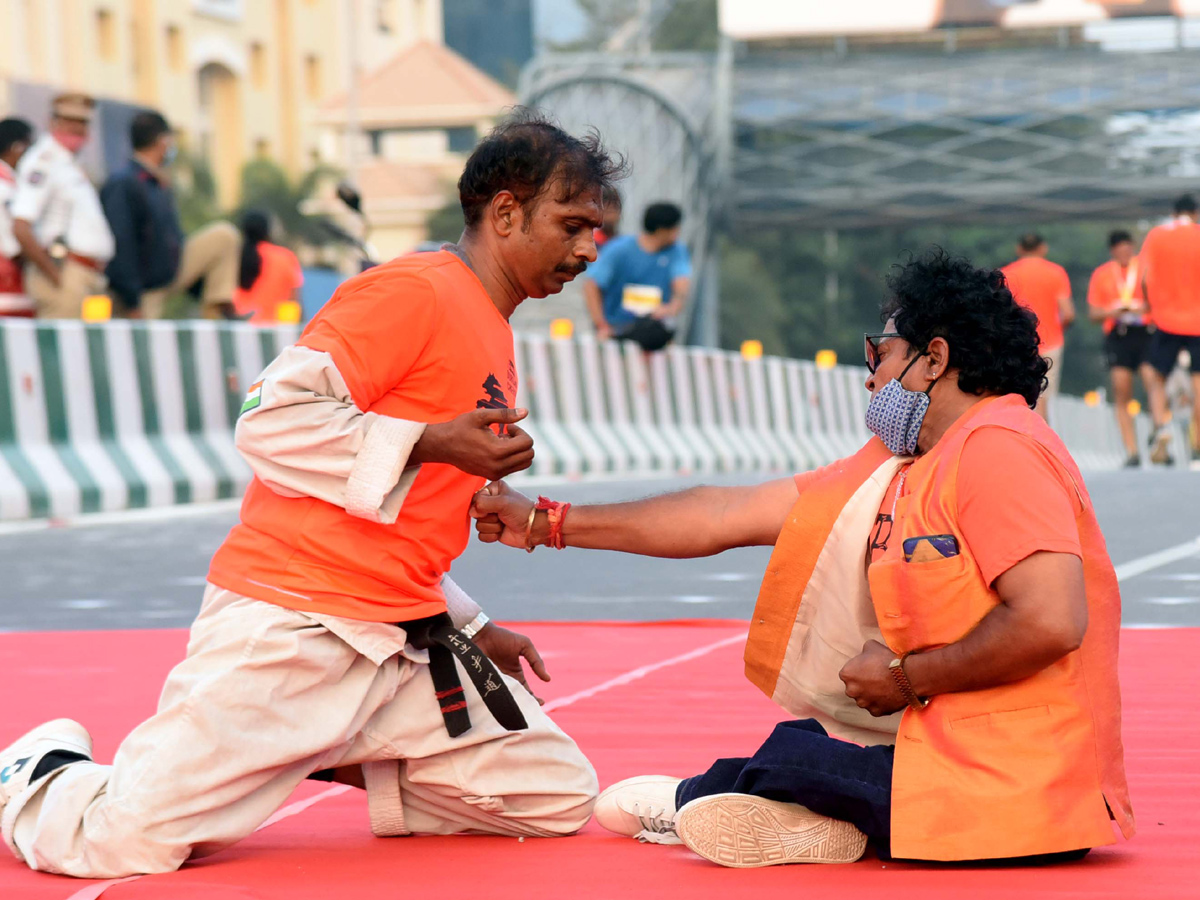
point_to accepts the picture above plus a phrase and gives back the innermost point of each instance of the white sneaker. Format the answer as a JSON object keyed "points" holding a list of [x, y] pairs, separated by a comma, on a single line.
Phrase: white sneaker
{"points": [[641, 807], [1160, 447], [19, 760], [743, 832]]}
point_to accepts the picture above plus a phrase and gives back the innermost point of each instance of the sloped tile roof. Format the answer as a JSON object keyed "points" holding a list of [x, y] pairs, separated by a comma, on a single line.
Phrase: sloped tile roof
{"points": [[424, 84]]}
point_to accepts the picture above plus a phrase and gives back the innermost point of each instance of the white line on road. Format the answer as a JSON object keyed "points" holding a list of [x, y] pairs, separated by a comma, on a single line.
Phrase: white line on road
{"points": [[642, 672], [85, 603], [1157, 560]]}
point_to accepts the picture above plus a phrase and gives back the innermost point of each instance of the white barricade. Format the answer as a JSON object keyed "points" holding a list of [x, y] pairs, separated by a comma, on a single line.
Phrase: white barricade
{"points": [[749, 376], [543, 409], [805, 410], [675, 414], [101, 417], [670, 454], [715, 414], [734, 404], [647, 454], [801, 453], [121, 415]]}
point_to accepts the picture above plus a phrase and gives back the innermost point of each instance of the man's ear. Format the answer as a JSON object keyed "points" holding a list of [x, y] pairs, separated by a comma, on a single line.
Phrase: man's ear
{"points": [[505, 213], [938, 355]]}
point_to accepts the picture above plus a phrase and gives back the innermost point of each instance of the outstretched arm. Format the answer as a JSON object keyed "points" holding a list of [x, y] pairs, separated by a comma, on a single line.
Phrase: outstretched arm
{"points": [[700, 521]]}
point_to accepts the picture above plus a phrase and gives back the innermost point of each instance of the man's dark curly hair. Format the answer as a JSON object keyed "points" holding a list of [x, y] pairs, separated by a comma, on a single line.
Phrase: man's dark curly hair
{"points": [[993, 340], [528, 152]]}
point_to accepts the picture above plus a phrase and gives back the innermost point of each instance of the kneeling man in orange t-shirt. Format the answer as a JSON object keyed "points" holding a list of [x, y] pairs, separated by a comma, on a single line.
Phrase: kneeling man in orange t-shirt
{"points": [[331, 642]]}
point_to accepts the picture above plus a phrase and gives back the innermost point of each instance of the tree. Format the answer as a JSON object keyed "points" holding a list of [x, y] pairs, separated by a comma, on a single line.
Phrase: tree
{"points": [[266, 187], [751, 306], [689, 25], [446, 224], [195, 191], [795, 262]]}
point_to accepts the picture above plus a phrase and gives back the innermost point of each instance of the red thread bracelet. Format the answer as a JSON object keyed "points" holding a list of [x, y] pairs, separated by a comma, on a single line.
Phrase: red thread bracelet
{"points": [[556, 512]]}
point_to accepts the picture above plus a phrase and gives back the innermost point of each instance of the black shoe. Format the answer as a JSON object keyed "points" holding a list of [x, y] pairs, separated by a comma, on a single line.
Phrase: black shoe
{"points": [[1134, 461]]}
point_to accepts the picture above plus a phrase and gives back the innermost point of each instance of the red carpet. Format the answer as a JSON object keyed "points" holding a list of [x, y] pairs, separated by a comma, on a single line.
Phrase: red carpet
{"points": [[674, 719]]}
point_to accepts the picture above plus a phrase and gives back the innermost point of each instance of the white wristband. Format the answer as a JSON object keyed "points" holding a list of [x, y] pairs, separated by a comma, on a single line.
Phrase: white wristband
{"points": [[473, 627]]}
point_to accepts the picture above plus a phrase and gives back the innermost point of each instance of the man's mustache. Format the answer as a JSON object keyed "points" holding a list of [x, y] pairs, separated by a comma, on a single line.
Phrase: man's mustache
{"points": [[572, 270]]}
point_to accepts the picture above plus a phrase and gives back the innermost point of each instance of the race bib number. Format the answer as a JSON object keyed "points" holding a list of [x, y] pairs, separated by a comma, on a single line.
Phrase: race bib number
{"points": [[641, 299]]}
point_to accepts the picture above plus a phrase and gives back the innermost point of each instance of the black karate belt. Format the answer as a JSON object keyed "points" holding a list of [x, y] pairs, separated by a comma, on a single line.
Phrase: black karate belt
{"points": [[444, 642], [438, 635]]}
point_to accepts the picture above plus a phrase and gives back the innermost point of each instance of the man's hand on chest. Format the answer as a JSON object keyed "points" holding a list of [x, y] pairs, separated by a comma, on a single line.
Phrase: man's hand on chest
{"points": [[469, 443]]}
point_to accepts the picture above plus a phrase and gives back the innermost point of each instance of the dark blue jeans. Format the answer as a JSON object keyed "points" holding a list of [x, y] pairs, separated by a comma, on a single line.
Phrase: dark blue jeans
{"points": [[801, 763]]}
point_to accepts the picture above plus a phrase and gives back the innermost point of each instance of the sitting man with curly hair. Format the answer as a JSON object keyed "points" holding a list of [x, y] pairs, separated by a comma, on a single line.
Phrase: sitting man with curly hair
{"points": [[939, 612]]}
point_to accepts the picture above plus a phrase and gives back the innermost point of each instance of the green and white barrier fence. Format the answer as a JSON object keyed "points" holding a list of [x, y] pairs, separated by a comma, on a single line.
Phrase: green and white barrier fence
{"points": [[121, 415], [124, 415]]}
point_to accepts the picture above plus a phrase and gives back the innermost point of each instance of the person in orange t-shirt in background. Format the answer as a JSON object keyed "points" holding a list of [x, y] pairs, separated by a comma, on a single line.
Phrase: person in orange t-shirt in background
{"points": [[1045, 288], [1171, 265], [331, 644], [269, 274], [1115, 297]]}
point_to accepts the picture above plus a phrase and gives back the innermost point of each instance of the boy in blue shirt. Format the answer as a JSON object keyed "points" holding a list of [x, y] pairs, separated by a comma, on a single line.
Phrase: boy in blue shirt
{"points": [[640, 277]]}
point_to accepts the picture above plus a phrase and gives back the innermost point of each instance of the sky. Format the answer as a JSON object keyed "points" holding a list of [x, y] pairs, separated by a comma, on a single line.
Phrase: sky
{"points": [[556, 21]]}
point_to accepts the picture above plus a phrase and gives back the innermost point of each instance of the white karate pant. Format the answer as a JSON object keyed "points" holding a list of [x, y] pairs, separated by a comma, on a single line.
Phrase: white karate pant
{"points": [[267, 696]]}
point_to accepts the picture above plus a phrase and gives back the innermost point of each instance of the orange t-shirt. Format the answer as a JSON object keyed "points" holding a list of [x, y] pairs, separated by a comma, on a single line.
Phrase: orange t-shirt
{"points": [[1111, 285], [1171, 258], [1039, 285], [416, 339], [279, 277], [1012, 503]]}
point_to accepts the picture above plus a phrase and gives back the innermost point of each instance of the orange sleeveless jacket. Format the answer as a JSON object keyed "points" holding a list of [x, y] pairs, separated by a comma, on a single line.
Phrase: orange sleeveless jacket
{"points": [[1025, 768]]}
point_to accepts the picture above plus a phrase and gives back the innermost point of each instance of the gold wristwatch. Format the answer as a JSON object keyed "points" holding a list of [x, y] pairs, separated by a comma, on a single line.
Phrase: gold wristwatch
{"points": [[906, 689]]}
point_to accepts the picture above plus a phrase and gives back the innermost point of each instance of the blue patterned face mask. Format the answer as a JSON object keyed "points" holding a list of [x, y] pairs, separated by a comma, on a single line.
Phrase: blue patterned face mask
{"points": [[895, 414]]}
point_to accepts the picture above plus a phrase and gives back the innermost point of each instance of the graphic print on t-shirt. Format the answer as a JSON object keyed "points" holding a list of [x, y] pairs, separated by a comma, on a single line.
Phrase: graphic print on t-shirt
{"points": [[495, 396]]}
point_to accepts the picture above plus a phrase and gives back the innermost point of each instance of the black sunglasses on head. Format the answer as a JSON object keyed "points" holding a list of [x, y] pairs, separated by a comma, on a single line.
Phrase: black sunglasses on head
{"points": [[871, 348]]}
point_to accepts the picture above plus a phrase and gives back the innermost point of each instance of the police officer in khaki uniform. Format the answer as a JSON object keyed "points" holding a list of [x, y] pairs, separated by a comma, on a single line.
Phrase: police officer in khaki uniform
{"points": [[57, 217]]}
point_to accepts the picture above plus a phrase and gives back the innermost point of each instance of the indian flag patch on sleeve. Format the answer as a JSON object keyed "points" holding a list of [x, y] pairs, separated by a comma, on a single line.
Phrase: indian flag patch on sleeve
{"points": [[253, 397]]}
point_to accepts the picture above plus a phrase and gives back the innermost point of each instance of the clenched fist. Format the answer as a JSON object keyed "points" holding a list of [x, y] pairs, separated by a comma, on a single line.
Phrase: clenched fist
{"points": [[501, 515], [870, 683]]}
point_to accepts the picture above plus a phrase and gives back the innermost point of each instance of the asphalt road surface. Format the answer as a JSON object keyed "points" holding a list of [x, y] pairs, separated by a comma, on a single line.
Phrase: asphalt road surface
{"points": [[148, 572]]}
